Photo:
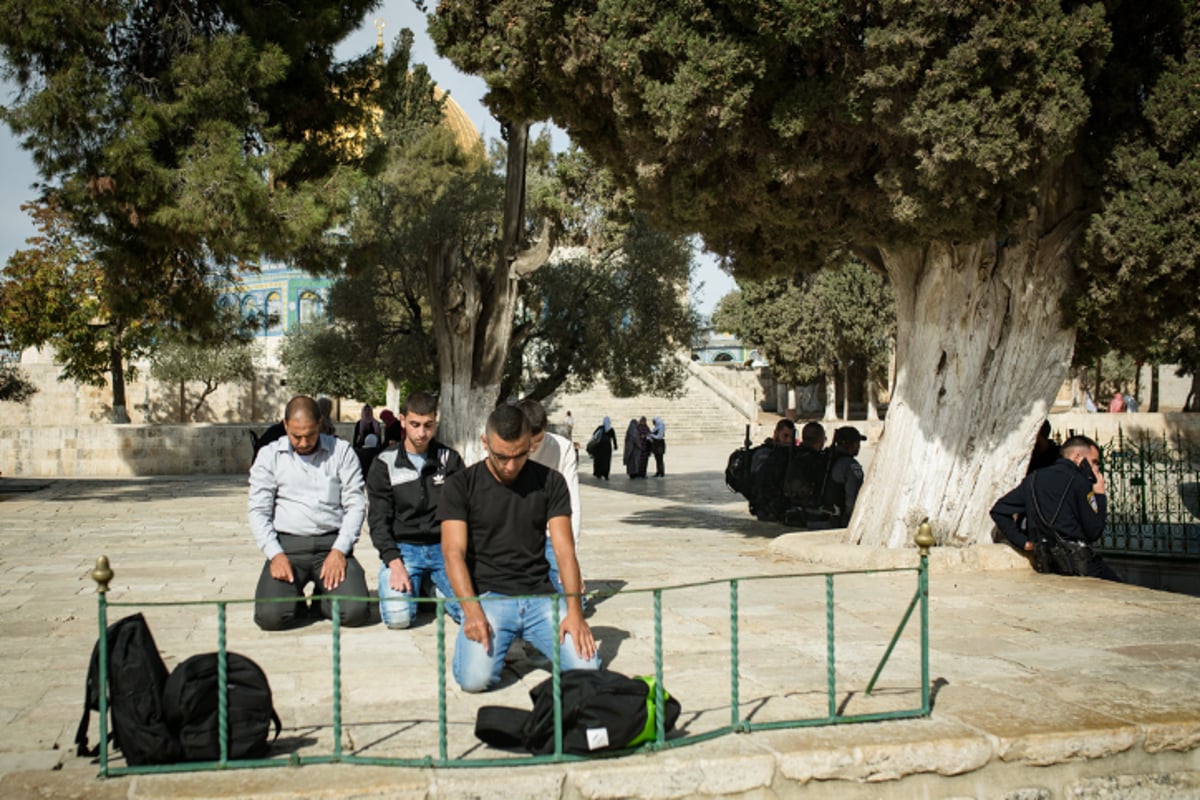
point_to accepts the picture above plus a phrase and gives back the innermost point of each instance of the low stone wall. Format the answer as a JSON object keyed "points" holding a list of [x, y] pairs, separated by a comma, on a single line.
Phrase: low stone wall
{"points": [[106, 450], [109, 451]]}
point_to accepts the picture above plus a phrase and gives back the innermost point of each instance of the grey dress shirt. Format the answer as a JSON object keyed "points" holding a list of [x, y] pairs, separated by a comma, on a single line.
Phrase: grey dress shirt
{"points": [[306, 495]]}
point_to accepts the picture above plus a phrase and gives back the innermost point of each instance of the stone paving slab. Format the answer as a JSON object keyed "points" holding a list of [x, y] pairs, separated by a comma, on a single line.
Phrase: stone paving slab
{"points": [[1075, 686]]}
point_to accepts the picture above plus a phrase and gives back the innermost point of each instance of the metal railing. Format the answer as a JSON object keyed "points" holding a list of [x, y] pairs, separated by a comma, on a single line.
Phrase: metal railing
{"points": [[1153, 497], [738, 721]]}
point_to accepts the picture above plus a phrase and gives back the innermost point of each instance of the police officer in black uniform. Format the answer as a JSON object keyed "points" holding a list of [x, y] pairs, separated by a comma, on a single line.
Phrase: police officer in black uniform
{"points": [[1070, 497], [845, 472]]}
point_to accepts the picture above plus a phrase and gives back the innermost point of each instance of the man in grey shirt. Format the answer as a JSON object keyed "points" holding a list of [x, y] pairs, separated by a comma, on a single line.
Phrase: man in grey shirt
{"points": [[306, 511]]}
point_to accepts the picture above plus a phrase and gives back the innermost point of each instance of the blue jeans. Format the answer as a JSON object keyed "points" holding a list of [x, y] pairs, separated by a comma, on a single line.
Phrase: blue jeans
{"points": [[423, 562], [532, 619], [552, 560]]}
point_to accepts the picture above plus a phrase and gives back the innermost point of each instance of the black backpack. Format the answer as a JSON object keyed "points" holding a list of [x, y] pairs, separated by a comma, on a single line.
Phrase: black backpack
{"points": [[136, 676], [601, 711], [738, 471], [191, 704], [806, 482]]}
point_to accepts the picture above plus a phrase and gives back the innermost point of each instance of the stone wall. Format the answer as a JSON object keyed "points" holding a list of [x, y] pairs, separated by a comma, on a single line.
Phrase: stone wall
{"points": [[85, 451]]}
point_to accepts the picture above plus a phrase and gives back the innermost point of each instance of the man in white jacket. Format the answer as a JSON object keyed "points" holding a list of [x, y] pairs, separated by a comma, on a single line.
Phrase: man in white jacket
{"points": [[557, 453]]}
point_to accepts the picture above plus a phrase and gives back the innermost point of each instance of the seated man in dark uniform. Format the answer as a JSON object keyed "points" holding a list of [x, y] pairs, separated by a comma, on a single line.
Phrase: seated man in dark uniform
{"points": [[1066, 498]]}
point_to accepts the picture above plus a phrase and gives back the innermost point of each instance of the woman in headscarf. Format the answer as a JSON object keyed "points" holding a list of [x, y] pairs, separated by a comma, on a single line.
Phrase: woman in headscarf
{"points": [[393, 431], [635, 449], [658, 445], [600, 447], [367, 424]]}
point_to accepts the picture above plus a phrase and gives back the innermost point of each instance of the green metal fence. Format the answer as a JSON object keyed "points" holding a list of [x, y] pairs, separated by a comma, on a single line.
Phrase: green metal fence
{"points": [[1153, 490], [739, 719]]}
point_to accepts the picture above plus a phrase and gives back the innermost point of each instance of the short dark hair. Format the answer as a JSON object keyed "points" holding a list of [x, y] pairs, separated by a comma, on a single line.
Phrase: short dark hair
{"points": [[1078, 443], [812, 434], [302, 405], [419, 403], [785, 425], [536, 415], [508, 422]]}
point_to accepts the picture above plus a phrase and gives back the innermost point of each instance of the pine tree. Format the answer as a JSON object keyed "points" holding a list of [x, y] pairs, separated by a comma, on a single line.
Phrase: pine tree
{"points": [[183, 140]]}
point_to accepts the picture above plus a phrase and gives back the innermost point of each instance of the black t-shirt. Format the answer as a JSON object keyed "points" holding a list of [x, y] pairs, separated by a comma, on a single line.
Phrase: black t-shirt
{"points": [[506, 525]]}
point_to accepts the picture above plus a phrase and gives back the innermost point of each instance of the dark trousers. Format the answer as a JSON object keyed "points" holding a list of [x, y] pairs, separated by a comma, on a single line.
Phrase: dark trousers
{"points": [[1099, 568], [306, 555]]}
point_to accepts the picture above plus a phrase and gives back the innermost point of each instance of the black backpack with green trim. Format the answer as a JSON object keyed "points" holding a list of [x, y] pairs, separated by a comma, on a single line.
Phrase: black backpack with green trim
{"points": [[601, 711]]}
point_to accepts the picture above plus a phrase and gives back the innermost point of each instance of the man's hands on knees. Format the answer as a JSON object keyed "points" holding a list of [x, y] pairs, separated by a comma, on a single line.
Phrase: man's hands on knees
{"points": [[398, 578], [333, 570], [281, 568], [581, 633], [476, 627]]}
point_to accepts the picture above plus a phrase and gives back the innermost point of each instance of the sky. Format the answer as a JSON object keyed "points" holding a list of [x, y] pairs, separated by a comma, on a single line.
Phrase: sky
{"points": [[17, 173]]}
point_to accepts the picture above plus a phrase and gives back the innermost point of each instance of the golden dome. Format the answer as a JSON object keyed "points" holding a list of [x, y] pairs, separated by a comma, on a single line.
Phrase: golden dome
{"points": [[454, 118]]}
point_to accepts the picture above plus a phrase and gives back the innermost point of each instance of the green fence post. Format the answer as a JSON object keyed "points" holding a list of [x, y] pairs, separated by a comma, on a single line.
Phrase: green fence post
{"points": [[102, 574], [924, 540], [336, 613], [830, 671], [441, 657], [660, 733], [735, 713], [223, 683], [556, 678]]}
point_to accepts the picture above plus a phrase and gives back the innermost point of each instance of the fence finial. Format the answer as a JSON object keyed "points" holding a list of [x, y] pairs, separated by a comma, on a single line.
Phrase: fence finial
{"points": [[924, 538], [102, 574]]}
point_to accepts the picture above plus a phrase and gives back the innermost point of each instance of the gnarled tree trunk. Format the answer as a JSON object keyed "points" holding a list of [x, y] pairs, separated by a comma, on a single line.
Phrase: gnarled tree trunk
{"points": [[981, 351], [473, 316]]}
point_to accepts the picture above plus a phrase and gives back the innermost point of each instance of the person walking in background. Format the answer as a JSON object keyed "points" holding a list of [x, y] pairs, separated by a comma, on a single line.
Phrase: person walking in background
{"points": [[327, 426], [367, 424], [600, 447], [658, 445], [1117, 404], [569, 422], [635, 448], [393, 431]]}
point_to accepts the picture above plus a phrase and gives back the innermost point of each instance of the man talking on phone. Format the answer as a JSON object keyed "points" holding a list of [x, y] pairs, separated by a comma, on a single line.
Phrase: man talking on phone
{"points": [[1064, 501]]}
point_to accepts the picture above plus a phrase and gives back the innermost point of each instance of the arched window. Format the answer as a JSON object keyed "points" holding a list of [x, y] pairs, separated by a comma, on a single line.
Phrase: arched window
{"points": [[274, 311], [723, 358], [310, 307]]}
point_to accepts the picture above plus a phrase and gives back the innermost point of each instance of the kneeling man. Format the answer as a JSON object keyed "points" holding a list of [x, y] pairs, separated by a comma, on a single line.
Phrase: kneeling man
{"points": [[494, 519], [306, 508]]}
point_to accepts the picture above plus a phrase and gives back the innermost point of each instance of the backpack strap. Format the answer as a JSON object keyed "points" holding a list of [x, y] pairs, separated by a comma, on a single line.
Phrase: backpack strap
{"points": [[1046, 525], [81, 736]]}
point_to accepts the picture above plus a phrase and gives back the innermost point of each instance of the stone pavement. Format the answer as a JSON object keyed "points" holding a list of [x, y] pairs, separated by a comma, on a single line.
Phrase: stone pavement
{"points": [[1044, 687]]}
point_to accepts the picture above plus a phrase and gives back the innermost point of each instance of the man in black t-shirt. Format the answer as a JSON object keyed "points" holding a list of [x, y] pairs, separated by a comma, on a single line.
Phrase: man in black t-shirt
{"points": [[494, 516]]}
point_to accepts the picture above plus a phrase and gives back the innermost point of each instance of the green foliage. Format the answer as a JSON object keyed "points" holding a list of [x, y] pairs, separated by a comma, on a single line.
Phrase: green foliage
{"points": [[223, 352], [612, 308], [810, 326], [55, 293], [321, 360], [1141, 253], [184, 139], [15, 386], [783, 130]]}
